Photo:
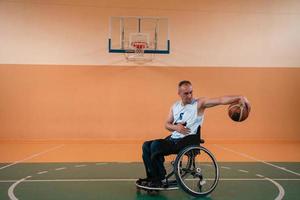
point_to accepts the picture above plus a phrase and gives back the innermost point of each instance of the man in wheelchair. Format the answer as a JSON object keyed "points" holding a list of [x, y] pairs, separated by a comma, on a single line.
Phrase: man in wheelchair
{"points": [[184, 121]]}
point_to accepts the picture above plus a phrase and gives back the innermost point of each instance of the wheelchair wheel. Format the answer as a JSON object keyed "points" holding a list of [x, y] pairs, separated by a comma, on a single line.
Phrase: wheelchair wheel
{"points": [[196, 171]]}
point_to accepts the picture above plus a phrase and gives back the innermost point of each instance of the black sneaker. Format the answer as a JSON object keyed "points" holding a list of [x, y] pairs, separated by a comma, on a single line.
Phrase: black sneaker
{"points": [[155, 184], [168, 183], [143, 181]]}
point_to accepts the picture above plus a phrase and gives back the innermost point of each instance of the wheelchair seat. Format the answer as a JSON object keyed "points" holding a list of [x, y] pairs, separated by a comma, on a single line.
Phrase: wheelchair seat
{"points": [[189, 140]]}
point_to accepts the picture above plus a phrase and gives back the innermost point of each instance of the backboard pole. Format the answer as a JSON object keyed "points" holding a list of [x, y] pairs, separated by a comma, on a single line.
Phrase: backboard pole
{"points": [[139, 25], [155, 34], [122, 33]]}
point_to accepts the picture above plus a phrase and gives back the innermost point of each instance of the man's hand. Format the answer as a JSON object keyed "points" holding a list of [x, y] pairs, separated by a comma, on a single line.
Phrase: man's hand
{"points": [[244, 101], [182, 129]]}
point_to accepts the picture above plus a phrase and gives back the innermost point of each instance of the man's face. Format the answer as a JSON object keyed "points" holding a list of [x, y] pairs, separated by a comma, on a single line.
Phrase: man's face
{"points": [[186, 93]]}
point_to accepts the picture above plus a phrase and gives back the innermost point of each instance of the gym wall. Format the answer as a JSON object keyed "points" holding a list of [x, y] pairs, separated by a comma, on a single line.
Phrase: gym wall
{"points": [[132, 103]]}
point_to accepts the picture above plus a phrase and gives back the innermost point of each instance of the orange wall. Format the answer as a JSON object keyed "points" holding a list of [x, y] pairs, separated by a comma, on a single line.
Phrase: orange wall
{"points": [[105, 102]]}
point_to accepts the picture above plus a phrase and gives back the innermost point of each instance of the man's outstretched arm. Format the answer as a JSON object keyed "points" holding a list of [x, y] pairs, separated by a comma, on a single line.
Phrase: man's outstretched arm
{"points": [[224, 100]]}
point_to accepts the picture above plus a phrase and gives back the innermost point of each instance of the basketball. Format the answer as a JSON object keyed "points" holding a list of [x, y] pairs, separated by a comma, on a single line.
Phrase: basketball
{"points": [[238, 112]]}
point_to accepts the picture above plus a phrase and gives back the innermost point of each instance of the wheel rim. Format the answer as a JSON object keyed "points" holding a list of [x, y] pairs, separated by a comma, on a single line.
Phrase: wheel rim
{"points": [[197, 170]]}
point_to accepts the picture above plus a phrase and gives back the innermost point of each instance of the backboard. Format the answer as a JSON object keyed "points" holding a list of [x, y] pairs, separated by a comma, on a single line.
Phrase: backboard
{"points": [[139, 35]]}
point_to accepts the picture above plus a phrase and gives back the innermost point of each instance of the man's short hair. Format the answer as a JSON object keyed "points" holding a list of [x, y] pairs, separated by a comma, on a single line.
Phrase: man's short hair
{"points": [[184, 82]]}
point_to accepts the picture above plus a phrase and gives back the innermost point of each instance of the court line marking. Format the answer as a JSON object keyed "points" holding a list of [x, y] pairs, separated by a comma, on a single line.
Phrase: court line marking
{"points": [[225, 167], [12, 187], [259, 175], [32, 156], [280, 188], [61, 168], [43, 172], [80, 165], [244, 171], [258, 160], [101, 163], [134, 179]]}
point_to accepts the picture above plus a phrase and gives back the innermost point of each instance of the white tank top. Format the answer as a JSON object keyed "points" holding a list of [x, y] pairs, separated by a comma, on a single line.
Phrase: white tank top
{"points": [[186, 113]]}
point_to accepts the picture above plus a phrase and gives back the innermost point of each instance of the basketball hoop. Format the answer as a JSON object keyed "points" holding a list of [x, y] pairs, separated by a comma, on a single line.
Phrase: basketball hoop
{"points": [[138, 42], [139, 47]]}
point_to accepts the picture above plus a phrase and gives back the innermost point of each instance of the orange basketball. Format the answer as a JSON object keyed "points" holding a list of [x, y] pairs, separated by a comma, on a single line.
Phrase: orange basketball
{"points": [[237, 112]]}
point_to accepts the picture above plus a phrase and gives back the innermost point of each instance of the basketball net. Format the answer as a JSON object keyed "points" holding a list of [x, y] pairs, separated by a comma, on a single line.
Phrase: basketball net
{"points": [[137, 45], [139, 48]]}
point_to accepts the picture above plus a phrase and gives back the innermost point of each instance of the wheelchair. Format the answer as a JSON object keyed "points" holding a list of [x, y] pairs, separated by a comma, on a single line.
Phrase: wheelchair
{"points": [[194, 169]]}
